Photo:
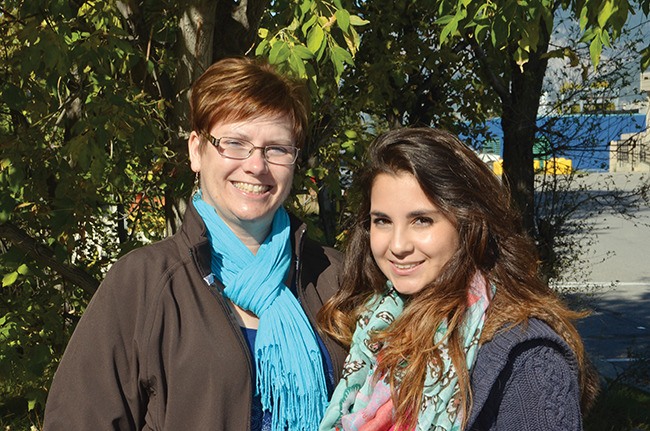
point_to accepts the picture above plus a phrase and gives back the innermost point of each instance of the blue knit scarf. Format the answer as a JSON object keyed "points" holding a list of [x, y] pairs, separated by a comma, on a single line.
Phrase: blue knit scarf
{"points": [[290, 376]]}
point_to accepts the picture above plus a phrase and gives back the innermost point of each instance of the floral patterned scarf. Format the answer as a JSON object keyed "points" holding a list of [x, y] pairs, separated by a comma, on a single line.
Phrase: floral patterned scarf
{"points": [[362, 402]]}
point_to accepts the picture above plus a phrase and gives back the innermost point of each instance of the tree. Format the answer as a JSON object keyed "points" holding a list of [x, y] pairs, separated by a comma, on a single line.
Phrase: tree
{"points": [[510, 41], [401, 76], [405, 75], [454, 64], [578, 117]]}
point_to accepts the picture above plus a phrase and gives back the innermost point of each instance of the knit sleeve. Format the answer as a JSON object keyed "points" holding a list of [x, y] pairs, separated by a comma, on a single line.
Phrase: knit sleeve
{"points": [[537, 391]]}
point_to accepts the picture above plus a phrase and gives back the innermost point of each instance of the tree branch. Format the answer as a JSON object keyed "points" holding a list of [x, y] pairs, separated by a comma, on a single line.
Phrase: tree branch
{"points": [[236, 27], [45, 256], [497, 84], [7, 14]]}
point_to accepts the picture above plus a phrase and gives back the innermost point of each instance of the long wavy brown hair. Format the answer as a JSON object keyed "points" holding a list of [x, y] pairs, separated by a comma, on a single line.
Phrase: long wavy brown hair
{"points": [[492, 242]]}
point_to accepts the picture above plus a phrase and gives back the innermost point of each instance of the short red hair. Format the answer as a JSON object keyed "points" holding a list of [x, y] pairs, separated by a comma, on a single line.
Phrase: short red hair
{"points": [[240, 88]]}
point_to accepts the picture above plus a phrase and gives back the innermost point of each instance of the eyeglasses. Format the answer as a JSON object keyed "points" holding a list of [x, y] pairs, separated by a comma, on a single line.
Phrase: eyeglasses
{"points": [[239, 149]]}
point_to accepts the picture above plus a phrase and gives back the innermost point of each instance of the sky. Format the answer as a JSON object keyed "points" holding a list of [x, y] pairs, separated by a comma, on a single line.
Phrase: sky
{"points": [[625, 91]]}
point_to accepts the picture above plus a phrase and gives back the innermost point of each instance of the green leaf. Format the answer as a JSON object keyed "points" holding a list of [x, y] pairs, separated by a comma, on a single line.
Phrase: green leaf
{"points": [[444, 20], [279, 52], [583, 18], [605, 13], [343, 19], [596, 48], [297, 65], [342, 54], [357, 21], [479, 31], [339, 57], [310, 22], [315, 38], [305, 6], [303, 52], [22, 269], [449, 29], [9, 279], [645, 58], [261, 48], [352, 41], [588, 35], [291, 28], [604, 38]]}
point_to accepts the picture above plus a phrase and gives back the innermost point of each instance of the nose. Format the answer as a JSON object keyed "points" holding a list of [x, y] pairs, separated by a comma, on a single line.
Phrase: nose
{"points": [[401, 243], [256, 163]]}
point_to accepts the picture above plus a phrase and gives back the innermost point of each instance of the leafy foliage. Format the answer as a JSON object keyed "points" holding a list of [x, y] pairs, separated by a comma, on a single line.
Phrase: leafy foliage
{"points": [[316, 31], [317, 40], [511, 42], [81, 138], [403, 75], [516, 26], [619, 406]]}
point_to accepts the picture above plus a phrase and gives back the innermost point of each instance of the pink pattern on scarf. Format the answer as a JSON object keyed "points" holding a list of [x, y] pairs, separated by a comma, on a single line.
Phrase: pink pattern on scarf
{"points": [[378, 413]]}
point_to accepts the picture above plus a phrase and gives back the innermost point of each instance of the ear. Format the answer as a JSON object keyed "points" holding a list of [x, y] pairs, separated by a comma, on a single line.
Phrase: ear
{"points": [[195, 151]]}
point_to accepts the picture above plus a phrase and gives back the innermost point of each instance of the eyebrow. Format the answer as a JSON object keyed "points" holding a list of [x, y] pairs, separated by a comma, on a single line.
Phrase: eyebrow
{"points": [[412, 214], [245, 137]]}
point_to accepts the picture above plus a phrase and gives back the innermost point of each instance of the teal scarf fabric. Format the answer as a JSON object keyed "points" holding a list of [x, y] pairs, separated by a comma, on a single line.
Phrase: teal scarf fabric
{"points": [[290, 375], [362, 401]]}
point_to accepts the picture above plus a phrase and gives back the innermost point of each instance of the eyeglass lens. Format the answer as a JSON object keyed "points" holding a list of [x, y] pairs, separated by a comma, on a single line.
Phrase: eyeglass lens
{"points": [[239, 149]]}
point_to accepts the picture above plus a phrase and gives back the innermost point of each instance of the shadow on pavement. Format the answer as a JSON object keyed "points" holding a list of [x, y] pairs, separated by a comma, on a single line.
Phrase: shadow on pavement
{"points": [[617, 333]]}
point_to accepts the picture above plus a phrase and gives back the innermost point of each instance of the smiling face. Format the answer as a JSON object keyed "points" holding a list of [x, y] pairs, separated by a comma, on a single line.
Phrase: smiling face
{"points": [[245, 193], [410, 239]]}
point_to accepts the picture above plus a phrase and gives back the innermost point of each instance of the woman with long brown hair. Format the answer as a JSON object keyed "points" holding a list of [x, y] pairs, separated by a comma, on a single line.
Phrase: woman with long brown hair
{"points": [[449, 325]]}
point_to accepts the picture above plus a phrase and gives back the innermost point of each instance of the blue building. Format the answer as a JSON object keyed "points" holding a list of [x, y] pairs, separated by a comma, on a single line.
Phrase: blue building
{"points": [[582, 138]]}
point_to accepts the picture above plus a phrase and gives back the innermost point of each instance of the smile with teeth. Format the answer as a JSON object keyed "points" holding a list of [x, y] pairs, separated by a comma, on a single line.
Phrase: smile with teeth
{"points": [[405, 265], [251, 188]]}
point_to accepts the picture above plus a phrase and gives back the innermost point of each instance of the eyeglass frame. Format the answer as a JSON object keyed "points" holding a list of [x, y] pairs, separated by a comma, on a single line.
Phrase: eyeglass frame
{"points": [[215, 143]]}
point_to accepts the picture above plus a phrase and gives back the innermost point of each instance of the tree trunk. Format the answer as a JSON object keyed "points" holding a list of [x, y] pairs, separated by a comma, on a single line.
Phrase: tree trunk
{"points": [[194, 51], [519, 124], [238, 22]]}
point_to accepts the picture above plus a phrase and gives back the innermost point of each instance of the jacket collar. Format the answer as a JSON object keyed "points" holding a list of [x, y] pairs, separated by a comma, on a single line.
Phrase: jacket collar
{"points": [[195, 233]]}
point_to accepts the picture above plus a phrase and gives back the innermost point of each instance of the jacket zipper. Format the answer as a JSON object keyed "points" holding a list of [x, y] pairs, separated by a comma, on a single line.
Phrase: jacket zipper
{"points": [[217, 293]]}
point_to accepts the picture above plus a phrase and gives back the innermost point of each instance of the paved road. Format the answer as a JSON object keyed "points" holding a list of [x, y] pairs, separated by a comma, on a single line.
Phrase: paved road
{"points": [[618, 331]]}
